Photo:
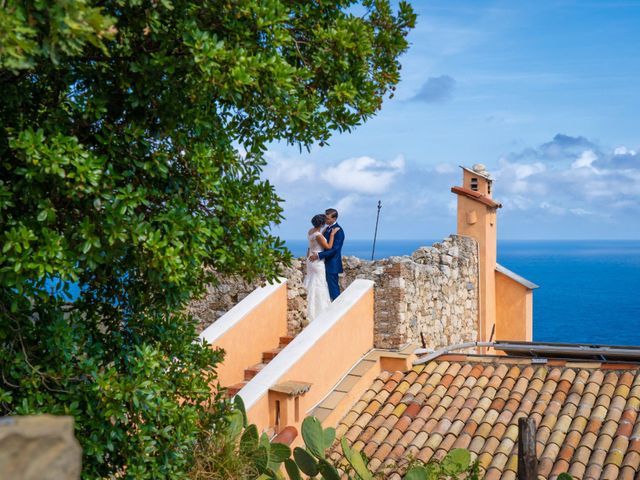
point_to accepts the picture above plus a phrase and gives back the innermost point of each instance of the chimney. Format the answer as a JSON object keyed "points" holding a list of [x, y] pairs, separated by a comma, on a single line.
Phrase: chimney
{"points": [[477, 219]]}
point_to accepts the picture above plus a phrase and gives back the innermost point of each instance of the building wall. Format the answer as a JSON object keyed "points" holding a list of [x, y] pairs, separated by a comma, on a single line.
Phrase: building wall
{"points": [[249, 328], [513, 310], [433, 292], [348, 331], [479, 221]]}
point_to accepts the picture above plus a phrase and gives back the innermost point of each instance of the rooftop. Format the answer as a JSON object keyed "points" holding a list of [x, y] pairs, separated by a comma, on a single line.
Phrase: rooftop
{"points": [[515, 277], [477, 196], [586, 414]]}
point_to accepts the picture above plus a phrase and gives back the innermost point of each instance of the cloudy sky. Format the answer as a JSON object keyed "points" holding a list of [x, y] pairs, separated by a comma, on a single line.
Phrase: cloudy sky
{"points": [[546, 94]]}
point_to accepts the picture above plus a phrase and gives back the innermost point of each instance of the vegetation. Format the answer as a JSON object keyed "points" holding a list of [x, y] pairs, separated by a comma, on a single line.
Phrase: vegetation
{"points": [[132, 135], [254, 457]]}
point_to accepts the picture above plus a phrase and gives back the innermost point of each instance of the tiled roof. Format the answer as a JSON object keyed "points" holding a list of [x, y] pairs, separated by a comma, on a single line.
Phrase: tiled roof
{"points": [[586, 415]]}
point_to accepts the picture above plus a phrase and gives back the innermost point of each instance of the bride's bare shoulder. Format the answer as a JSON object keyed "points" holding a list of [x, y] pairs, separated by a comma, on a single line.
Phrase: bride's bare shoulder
{"points": [[310, 231]]}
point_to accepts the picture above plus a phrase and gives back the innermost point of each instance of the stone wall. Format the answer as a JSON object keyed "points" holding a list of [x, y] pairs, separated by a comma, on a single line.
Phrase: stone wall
{"points": [[39, 447], [431, 295], [222, 297]]}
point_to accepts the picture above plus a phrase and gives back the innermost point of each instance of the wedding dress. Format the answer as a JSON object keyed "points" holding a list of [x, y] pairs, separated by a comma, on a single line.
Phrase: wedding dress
{"points": [[316, 281]]}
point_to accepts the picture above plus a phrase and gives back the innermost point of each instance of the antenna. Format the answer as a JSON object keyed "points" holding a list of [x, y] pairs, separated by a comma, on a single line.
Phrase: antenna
{"points": [[375, 235]]}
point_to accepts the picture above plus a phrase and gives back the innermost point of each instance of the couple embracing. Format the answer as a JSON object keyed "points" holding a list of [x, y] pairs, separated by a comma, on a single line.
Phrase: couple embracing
{"points": [[324, 262]]}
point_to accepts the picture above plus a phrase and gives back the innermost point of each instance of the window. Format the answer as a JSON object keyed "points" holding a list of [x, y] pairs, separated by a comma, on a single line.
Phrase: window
{"points": [[474, 184]]}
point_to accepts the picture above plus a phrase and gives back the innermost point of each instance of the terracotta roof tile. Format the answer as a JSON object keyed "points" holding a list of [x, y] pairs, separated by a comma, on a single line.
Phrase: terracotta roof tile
{"points": [[353, 433], [582, 455], [587, 416], [393, 438], [506, 446], [627, 473], [631, 459], [369, 449], [476, 444], [559, 467], [420, 439], [512, 464], [576, 470], [463, 441], [610, 472], [425, 454]]}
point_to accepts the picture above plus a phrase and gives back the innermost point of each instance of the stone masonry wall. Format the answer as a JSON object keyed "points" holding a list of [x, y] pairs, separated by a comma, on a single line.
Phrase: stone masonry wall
{"points": [[430, 295], [222, 297], [39, 447]]}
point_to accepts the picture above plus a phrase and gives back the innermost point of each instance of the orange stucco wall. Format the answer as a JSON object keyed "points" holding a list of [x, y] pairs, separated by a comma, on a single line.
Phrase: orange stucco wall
{"points": [[259, 330], [322, 365], [478, 221], [514, 310]]}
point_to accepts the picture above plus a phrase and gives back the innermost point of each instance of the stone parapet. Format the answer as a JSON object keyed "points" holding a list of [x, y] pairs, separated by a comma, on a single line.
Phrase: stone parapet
{"points": [[431, 295], [39, 447]]}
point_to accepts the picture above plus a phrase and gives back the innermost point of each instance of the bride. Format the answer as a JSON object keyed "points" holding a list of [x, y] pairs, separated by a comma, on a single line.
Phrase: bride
{"points": [[316, 281]]}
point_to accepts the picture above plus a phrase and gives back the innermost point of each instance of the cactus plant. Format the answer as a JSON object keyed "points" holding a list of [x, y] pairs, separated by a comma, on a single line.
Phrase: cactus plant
{"points": [[455, 464], [311, 460]]}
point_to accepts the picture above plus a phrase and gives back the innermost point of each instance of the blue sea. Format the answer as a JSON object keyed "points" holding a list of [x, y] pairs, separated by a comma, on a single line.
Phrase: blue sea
{"points": [[588, 289]]}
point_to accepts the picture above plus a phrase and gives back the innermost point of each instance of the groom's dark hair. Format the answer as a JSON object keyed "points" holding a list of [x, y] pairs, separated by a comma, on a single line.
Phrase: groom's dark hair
{"points": [[331, 212]]}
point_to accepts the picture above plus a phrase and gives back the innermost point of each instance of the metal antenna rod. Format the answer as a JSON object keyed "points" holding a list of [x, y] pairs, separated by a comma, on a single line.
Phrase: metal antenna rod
{"points": [[375, 235]]}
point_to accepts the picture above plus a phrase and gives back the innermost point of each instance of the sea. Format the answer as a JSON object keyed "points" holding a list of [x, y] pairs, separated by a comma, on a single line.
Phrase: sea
{"points": [[589, 289]]}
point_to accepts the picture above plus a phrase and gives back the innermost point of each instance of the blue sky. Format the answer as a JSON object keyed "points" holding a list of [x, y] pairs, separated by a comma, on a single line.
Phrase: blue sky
{"points": [[546, 94]]}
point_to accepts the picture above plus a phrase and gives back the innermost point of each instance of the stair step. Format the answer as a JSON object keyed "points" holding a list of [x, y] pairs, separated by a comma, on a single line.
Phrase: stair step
{"points": [[286, 340], [233, 389], [253, 370], [270, 354]]}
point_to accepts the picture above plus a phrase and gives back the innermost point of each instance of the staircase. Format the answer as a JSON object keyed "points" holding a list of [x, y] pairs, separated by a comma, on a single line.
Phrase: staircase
{"points": [[253, 370]]}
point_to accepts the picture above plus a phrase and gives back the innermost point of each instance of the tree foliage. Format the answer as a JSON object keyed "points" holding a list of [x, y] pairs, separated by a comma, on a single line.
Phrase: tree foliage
{"points": [[132, 136]]}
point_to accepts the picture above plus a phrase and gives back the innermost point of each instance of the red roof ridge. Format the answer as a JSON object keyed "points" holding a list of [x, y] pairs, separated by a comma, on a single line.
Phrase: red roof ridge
{"points": [[480, 197]]}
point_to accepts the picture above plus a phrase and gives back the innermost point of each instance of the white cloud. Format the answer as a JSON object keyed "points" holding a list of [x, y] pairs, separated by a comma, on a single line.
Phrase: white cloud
{"points": [[581, 212], [281, 169], [563, 187], [556, 179], [514, 177], [553, 209], [445, 168], [517, 202], [622, 150], [347, 204], [364, 174], [585, 160]]}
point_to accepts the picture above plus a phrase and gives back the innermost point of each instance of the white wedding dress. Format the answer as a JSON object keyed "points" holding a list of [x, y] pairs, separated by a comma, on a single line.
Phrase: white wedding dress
{"points": [[316, 281]]}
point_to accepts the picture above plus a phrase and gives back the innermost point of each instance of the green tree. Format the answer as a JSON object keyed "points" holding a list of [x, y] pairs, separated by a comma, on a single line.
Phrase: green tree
{"points": [[132, 136]]}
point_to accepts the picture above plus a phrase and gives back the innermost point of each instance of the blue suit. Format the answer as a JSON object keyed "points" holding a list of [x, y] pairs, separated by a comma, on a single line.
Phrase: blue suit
{"points": [[333, 260]]}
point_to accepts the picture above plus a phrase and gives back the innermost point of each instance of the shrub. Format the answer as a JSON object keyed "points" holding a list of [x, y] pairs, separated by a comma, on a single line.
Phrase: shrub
{"points": [[132, 139]]}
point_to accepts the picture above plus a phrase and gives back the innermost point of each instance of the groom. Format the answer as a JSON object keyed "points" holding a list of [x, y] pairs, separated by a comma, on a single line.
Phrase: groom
{"points": [[332, 257]]}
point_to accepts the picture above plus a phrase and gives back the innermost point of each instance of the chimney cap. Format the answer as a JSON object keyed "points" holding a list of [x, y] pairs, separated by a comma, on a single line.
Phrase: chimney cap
{"points": [[478, 169]]}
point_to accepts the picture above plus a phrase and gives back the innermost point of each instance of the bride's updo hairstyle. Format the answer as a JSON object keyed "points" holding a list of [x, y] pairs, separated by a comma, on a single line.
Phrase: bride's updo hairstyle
{"points": [[318, 220]]}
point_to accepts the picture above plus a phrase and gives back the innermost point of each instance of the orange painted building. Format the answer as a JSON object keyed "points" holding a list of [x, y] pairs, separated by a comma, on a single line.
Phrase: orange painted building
{"points": [[505, 299]]}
